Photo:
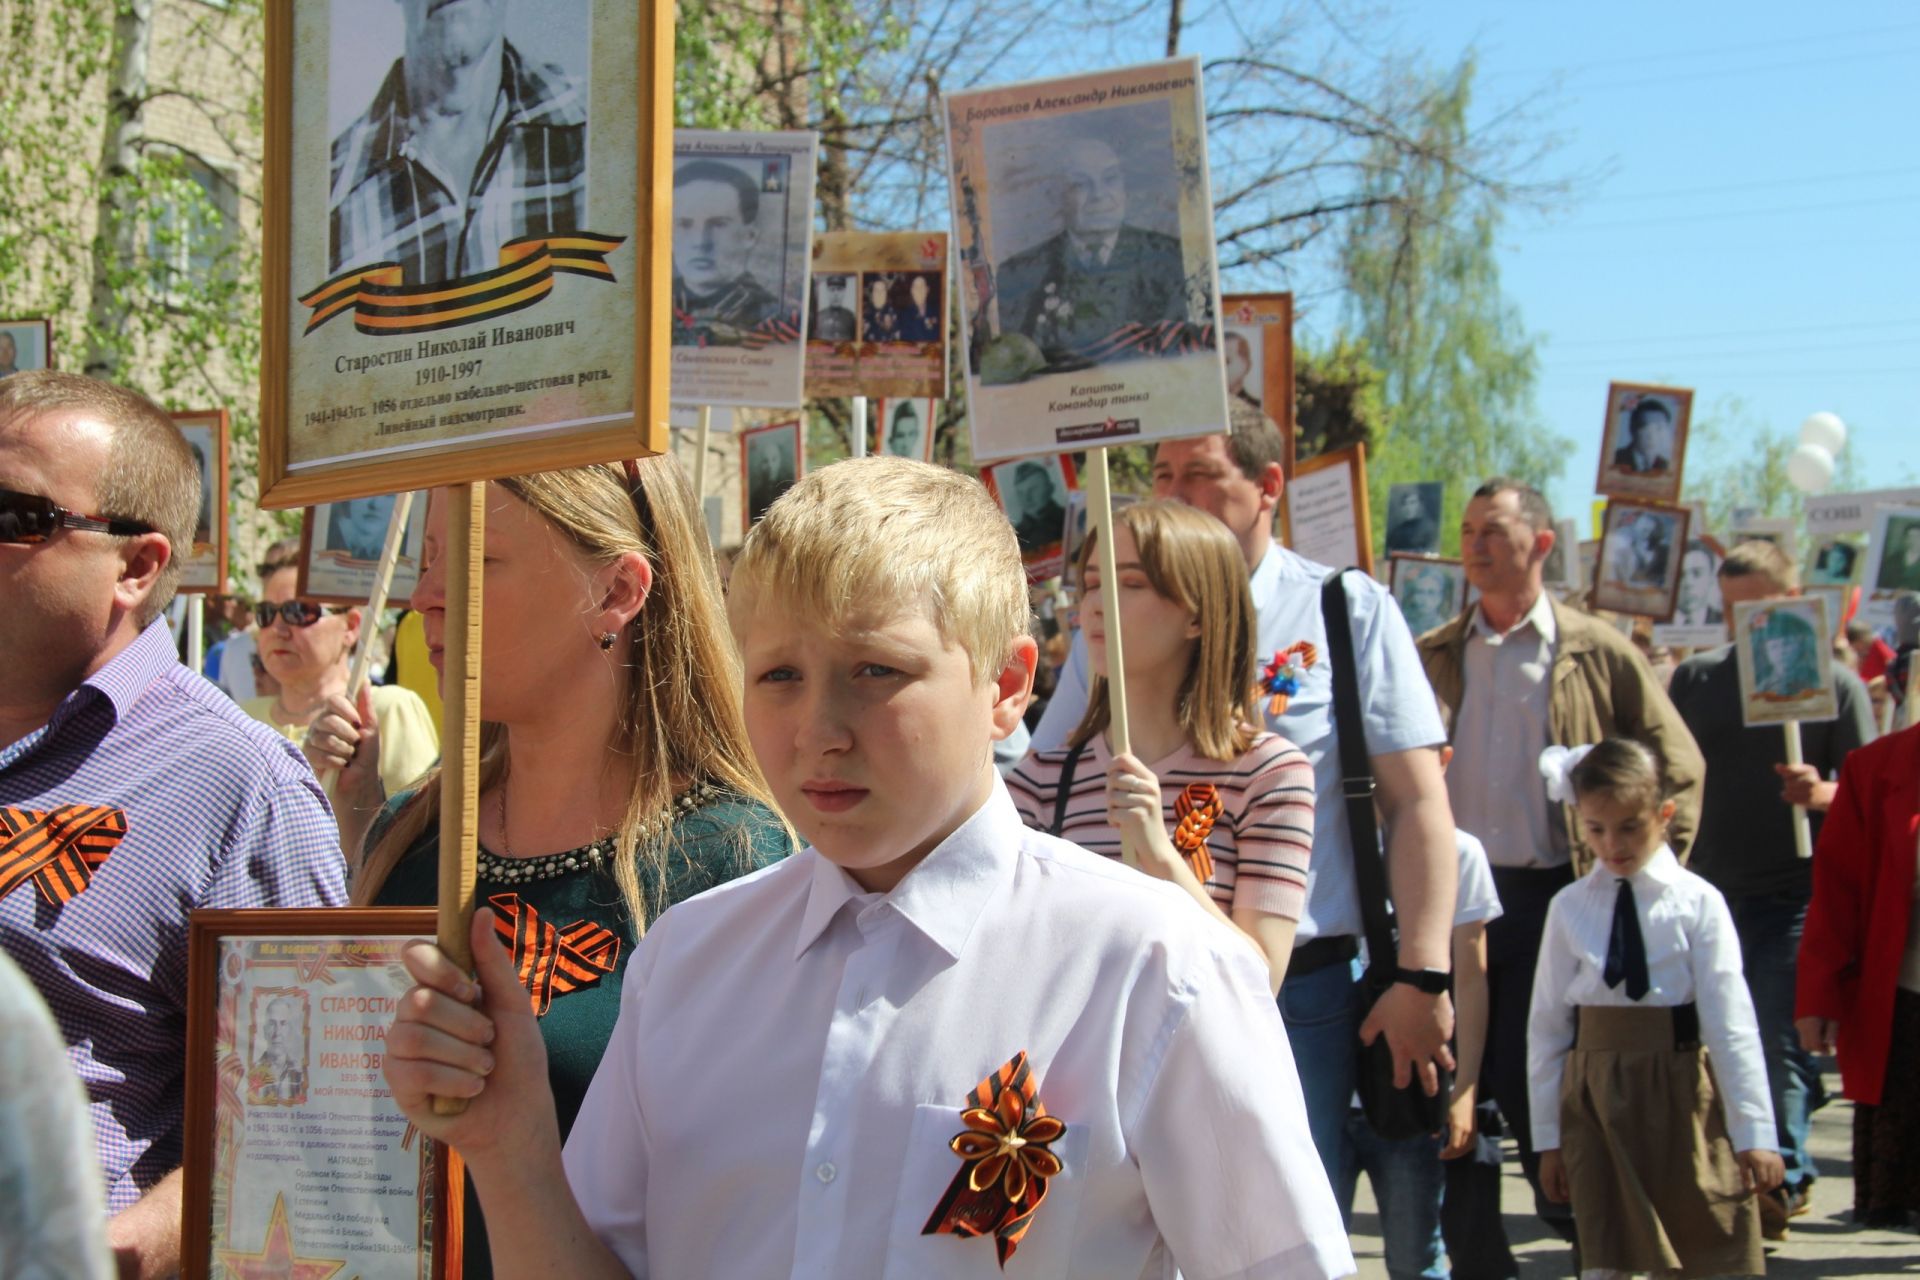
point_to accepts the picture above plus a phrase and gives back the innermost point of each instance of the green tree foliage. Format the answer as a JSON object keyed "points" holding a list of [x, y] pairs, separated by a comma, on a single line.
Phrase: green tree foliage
{"points": [[1425, 308]]}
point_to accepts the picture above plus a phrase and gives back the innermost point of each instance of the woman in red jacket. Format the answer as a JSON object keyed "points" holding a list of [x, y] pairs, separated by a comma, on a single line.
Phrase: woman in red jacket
{"points": [[1859, 974]]}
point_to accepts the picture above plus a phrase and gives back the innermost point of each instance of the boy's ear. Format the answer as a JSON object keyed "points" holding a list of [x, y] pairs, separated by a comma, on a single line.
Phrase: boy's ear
{"points": [[1667, 809], [1013, 687]]}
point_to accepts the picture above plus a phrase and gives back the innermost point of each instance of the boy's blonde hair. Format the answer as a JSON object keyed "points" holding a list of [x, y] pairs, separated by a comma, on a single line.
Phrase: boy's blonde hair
{"points": [[1759, 556], [1191, 559], [881, 535]]}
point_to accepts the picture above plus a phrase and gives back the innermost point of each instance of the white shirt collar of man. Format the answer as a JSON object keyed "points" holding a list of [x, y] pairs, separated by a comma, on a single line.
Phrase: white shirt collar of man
{"points": [[1540, 617]]}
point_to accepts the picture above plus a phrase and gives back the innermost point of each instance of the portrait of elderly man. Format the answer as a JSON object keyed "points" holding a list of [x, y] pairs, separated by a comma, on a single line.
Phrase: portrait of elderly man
{"points": [[1099, 271], [716, 226], [467, 145], [278, 1076]]}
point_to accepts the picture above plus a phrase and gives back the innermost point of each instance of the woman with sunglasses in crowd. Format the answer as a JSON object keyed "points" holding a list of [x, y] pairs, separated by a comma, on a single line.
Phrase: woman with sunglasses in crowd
{"points": [[308, 649]]}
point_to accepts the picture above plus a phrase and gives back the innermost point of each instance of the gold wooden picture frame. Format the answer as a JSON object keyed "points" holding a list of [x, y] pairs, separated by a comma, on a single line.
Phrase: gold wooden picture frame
{"points": [[204, 565], [1312, 496], [1643, 443], [390, 361], [1642, 552]]}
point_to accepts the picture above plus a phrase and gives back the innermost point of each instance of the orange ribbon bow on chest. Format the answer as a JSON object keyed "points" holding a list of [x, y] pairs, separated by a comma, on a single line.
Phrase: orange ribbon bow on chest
{"points": [[1005, 1161], [1195, 810], [57, 849], [552, 961]]}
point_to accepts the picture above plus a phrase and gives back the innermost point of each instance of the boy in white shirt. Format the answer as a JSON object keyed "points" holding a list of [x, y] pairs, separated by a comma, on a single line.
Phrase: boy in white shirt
{"points": [[935, 1043]]}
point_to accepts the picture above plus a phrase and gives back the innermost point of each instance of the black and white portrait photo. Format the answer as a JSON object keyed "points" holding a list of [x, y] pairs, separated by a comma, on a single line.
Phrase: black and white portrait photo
{"points": [[1641, 553], [459, 126], [1832, 563], [770, 461], [1645, 442], [1427, 590], [203, 565], [729, 250], [1698, 603], [201, 444], [357, 528], [917, 300], [1894, 554], [1087, 237], [277, 1068], [833, 318], [24, 344], [1034, 492], [906, 428], [1413, 518]]}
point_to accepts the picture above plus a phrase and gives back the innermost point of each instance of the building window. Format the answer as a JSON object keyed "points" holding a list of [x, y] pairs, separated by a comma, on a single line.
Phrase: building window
{"points": [[193, 228]]}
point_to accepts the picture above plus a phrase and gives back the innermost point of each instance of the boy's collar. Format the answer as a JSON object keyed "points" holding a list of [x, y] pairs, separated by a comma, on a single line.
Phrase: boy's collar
{"points": [[1662, 869], [944, 895]]}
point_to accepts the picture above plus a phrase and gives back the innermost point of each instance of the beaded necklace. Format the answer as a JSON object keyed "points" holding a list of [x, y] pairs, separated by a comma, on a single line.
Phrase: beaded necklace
{"points": [[598, 855]]}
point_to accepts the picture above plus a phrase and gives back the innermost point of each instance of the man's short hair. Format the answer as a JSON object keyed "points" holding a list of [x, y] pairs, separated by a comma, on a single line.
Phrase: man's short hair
{"points": [[1757, 555], [149, 474], [1646, 409], [1534, 507], [1254, 443], [716, 171], [885, 535]]}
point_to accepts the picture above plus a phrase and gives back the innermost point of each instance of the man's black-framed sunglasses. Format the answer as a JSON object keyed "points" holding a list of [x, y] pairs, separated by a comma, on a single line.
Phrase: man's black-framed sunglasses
{"points": [[298, 613], [28, 517]]}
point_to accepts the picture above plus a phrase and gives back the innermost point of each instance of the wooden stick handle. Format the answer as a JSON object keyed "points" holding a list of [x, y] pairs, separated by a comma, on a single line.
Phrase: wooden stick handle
{"points": [[1802, 832], [700, 462], [859, 440], [1100, 511], [460, 730]]}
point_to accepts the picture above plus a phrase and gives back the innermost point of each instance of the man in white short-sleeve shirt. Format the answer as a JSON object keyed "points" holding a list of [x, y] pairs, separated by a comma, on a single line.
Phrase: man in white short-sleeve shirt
{"points": [[1238, 478]]}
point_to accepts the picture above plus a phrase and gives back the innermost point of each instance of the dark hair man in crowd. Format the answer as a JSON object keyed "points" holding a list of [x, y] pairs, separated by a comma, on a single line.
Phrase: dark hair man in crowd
{"points": [[1518, 673], [134, 791], [1642, 453]]}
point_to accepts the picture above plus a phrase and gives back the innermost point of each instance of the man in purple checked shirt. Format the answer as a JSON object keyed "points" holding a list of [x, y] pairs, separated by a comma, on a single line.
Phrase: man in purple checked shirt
{"points": [[132, 791]]}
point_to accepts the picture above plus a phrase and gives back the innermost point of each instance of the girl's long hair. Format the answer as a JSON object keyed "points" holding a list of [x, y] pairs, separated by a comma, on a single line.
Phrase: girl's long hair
{"points": [[1191, 559], [681, 713]]}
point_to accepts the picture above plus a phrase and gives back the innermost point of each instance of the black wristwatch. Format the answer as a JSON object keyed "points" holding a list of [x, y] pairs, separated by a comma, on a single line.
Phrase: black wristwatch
{"points": [[1432, 981]]}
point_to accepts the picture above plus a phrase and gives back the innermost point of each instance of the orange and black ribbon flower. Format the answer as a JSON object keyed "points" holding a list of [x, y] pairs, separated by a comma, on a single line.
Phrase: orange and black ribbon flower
{"points": [[552, 961], [57, 849], [1195, 810], [385, 305], [1281, 678], [1005, 1161]]}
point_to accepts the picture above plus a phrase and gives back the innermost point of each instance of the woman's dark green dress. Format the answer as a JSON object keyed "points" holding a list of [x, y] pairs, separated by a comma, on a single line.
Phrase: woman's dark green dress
{"points": [[571, 937]]}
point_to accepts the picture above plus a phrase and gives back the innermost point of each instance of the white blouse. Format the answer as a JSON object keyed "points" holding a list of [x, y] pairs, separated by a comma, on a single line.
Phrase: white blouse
{"points": [[1693, 954]]}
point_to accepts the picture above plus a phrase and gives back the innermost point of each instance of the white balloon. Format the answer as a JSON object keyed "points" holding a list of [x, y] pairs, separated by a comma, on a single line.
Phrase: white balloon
{"points": [[1826, 430], [1810, 468]]}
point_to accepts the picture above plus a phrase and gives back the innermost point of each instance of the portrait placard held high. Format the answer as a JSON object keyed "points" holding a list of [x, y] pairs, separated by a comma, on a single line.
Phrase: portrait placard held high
{"points": [[460, 263], [204, 566], [1644, 442], [742, 234], [879, 322], [1784, 651], [1640, 559], [1084, 228]]}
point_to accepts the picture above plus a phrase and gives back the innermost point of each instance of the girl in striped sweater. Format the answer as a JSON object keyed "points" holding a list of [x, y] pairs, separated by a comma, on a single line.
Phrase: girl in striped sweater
{"points": [[1224, 810]]}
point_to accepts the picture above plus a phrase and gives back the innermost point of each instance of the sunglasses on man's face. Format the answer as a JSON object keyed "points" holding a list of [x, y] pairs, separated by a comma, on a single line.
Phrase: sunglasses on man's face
{"points": [[298, 613], [27, 517]]}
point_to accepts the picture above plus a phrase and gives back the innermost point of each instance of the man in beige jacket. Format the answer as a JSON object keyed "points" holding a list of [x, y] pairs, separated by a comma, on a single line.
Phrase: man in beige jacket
{"points": [[1516, 673]]}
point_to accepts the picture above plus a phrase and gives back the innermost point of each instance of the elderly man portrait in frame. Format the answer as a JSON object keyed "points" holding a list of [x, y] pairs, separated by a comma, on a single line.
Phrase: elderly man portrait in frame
{"points": [[1900, 561], [716, 227], [468, 144], [832, 318], [1099, 271], [278, 1076], [358, 526]]}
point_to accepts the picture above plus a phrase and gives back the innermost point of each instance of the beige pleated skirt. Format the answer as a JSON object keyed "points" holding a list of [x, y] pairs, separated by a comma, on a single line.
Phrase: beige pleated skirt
{"points": [[1656, 1186]]}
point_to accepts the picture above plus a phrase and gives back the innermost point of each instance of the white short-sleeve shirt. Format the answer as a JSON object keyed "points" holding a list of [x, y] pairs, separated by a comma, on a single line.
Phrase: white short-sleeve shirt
{"points": [[793, 1054], [1397, 710]]}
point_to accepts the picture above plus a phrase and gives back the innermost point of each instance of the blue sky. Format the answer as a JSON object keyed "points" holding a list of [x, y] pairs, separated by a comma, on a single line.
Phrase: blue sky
{"points": [[1752, 228]]}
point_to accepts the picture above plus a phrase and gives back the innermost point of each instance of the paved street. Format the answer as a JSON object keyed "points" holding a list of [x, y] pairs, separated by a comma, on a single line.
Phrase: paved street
{"points": [[1821, 1243]]}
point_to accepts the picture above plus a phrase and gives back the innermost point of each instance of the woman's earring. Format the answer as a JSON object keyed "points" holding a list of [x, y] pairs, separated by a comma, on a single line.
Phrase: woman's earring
{"points": [[606, 641]]}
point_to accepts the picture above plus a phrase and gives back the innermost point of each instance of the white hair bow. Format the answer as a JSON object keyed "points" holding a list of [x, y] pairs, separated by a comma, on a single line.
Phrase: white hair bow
{"points": [[1556, 766]]}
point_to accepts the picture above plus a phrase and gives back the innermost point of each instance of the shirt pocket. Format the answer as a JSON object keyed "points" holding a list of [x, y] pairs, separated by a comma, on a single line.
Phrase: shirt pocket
{"points": [[1046, 1249]]}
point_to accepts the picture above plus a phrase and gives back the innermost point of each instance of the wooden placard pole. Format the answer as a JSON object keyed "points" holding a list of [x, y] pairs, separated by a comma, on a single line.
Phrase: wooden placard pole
{"points": [[1802, 832], [196, 633], [700, 461], [1100, 513], [460, 729], [860, 427]]}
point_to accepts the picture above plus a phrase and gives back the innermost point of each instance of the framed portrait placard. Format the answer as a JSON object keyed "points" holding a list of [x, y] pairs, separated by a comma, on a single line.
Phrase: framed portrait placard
{"points": [[1833, 562], [25, 344], [1784, 650], [1644, 443], [1413, 517], [742, 236], [1430, 591], [296, 1153], [1256, 335], [1829, 514], [878, 322], [340, 546], [440, 311], [1084, 230], [904, 428], [772, 460], [1035, 493], [1641, 550], [204, 568], [1699, 617], [1327, 515], [1893, 561]]}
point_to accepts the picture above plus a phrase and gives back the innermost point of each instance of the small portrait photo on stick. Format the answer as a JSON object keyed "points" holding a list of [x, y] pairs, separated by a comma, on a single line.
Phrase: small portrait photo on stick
{"points": [[1413, 518], [771, 460], [1893, 556], [1784, 650], [24, 345], [1645, 441], [1033, 492], [1641, 550]]}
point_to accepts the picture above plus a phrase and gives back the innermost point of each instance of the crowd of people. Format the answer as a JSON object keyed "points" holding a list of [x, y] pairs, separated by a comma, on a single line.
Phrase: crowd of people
{"points": [[1129, 976]]}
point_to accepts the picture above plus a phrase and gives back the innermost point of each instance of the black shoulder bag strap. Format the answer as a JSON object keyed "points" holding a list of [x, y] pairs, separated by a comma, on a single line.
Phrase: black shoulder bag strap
{"points": [[1066, 788], [1356, 776]]}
